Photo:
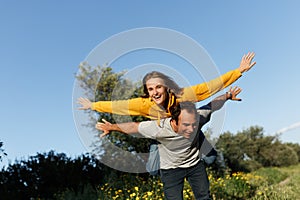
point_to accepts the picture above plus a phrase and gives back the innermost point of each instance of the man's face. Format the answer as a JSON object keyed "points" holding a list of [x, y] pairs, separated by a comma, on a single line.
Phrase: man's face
{"points": [[187, 124], [157, 90]]}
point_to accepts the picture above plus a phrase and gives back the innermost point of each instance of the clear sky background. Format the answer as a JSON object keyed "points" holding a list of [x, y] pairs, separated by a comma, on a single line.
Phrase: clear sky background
{"points": [[42, 44]]}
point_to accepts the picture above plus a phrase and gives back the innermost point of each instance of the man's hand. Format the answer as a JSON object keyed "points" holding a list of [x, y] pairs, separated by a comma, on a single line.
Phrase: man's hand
{"points": [[233, 92], [246, 62], [105, 127], [85, 103]]}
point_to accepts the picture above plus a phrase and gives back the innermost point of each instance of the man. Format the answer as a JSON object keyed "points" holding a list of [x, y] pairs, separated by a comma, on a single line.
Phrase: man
{"points": [[207, 151], [179, 145]]}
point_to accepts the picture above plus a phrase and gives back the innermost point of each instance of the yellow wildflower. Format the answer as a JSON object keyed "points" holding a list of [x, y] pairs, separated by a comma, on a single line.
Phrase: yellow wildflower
{"points": [[149, 193], [132, 195]]}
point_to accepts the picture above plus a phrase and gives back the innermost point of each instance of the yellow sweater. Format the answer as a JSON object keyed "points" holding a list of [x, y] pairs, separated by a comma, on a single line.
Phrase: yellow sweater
{"points": [[146, 107]]}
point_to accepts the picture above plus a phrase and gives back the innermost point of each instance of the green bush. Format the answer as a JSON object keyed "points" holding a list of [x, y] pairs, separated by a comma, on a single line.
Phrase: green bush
{"points": [[88, 192]]}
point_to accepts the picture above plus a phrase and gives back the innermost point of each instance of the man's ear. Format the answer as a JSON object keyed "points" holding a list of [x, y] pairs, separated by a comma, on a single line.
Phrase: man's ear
{"points": [[174, 125]]}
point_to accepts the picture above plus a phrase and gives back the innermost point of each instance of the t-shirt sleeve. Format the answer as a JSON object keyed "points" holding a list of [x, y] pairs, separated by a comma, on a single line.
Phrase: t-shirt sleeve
{"points": [[205, 114], [149, 129]]}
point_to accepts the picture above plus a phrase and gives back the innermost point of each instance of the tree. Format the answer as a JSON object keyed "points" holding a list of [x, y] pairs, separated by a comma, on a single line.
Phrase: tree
{"points": [[101, 83], [249, 150], [280, 154], [2, 152], [296, 148], [43, 175]]}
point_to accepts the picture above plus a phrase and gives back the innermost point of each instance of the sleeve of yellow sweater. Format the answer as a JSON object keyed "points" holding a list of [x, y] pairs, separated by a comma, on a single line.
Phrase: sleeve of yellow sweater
{"points": [[204, 90], [136, 106]]}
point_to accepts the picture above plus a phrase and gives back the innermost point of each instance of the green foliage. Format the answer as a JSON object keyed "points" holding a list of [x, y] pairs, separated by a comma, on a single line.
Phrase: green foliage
{"points": [[256, 185], [296, 148], [127, 186], [285, 185], [271, 175], [43, 175], [238, 185], [250, 149], [56, 176], [265, 183], [88, 193], [102, 84], [2, 152], [283, 155]]}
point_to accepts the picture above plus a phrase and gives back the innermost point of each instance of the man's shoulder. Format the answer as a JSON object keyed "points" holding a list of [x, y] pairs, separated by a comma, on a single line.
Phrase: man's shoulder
{"points": [[155, 128], [160, 122], [145, 126]]}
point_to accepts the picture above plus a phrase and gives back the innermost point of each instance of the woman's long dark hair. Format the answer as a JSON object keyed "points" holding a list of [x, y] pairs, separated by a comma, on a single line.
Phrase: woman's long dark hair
{"points": [[171, 86]]}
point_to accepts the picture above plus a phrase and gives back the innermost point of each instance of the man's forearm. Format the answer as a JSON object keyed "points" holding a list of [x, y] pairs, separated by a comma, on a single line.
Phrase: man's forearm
{"points": [[218, 102], [128, 128]]}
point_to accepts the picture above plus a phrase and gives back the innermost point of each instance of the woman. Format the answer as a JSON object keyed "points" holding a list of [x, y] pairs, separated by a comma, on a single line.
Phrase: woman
{"points": [[161, 93]]}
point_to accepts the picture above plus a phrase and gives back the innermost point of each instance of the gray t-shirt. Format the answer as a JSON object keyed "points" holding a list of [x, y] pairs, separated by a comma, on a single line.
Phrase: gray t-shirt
{"points": [[175, 150]]}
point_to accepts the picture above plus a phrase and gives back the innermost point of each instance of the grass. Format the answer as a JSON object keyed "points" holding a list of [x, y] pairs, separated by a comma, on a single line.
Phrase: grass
{"points": [[292, 183], [277, 188]]}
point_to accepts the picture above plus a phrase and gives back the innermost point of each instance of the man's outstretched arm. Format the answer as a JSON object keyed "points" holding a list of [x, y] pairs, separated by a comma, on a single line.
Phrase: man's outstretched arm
{"points": [[127, 128], [218, 102]]}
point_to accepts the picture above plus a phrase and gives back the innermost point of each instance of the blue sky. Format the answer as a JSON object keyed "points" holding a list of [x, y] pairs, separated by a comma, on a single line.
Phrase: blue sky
{"points": [[42, 44]]}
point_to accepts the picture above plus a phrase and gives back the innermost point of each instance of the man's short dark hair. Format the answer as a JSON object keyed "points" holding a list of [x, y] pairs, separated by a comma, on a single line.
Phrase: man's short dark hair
{"points": [[186, 105]]}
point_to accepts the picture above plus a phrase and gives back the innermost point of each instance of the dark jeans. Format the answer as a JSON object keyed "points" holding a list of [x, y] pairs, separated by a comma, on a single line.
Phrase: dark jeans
{"points": [[173, 180]]}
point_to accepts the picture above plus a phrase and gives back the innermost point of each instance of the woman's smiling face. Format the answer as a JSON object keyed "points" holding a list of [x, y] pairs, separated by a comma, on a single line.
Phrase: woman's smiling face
{"points": [[157, 90]]}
